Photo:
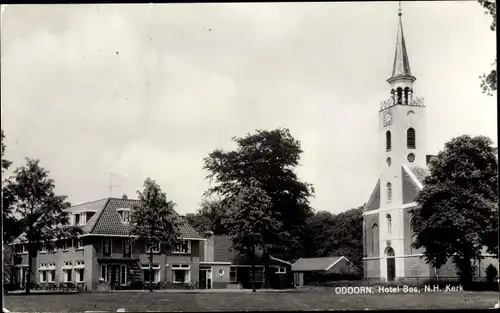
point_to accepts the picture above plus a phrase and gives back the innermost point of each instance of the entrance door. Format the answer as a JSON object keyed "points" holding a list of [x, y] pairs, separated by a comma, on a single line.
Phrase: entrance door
{"points": [[391, 264], [203, 279], [114, 275]]}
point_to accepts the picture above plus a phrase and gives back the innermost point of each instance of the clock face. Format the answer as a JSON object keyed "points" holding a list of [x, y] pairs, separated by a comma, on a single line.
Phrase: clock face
{"points": [[387, 118]]}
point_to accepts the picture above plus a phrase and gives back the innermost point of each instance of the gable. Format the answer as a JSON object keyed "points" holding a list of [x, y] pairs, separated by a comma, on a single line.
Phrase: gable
{"points": [[374, 201]]}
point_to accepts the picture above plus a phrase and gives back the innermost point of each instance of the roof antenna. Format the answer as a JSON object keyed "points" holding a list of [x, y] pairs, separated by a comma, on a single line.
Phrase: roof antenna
{"points": [[111, 184]]}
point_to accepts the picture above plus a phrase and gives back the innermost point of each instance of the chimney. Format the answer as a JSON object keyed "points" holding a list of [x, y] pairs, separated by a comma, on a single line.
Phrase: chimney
{"points": [[209, 247], [124, 197]]}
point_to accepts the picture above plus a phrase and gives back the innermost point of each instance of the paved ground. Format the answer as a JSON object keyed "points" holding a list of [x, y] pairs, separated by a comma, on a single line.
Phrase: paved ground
{"points": [[233, 301]]}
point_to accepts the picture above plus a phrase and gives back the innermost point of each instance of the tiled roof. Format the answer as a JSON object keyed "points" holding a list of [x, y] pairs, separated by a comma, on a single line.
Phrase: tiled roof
{"points": [[314, 264], [374, 201], [107, 221]]}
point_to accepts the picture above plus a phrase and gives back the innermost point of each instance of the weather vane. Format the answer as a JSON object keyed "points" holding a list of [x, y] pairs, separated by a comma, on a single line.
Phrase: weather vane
{"points": [[400, 11]]}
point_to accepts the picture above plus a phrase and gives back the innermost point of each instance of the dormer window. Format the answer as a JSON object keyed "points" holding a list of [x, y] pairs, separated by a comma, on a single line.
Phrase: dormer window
{"points": [[124, 215], [154, 247], [77, 219], [184, 247]]}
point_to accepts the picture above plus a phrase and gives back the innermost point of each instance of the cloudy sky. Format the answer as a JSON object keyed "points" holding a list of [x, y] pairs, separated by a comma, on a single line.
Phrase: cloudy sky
{"points": [[150, 90]]}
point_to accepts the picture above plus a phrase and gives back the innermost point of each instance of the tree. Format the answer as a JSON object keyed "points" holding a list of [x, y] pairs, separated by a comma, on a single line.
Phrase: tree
{"points": [[491, 273], [336, 235], [43, 218], [249, 219], [9, 222], [489, 82], [209, 217], [269, 157], [459, 205], [155, 221]]}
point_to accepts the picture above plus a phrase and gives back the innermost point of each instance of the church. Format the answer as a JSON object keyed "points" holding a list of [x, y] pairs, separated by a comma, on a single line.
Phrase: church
{"points": [[387, 234]]}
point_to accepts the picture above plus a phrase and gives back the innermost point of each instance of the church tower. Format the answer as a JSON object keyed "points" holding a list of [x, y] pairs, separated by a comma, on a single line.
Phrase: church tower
{"points": [[402, 135]]}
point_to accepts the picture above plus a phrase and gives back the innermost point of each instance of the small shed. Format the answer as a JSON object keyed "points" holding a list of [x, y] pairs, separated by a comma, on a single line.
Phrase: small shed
{"points": [[326, 265]]}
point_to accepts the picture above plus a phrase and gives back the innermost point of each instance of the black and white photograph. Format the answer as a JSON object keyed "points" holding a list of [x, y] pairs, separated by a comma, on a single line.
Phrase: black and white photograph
{"points": [[253, 156]]}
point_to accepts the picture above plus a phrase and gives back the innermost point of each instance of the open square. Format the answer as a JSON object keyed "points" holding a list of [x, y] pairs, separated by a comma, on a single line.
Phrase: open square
{"points": [[325, 299]]}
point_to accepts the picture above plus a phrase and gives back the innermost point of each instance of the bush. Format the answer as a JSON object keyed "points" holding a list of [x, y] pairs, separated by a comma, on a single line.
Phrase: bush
{"points": [[491, 273]]}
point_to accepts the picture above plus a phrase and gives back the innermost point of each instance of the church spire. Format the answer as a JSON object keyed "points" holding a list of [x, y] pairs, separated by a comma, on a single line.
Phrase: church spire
{"points": [[401, 65]]}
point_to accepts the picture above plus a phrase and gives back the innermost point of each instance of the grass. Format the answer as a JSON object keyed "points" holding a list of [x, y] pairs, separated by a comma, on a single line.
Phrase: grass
{"points": [[325, 299]]}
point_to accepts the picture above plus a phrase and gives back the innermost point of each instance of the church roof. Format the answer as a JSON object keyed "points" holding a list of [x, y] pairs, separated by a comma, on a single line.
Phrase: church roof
{"points": [[401, 66], [374, 201]]}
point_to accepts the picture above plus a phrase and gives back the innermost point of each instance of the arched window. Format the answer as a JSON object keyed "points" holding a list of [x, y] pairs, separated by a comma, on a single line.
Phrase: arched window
{"points": [[407, 94], [389, 223], [389, 192], [104, 272], [388, 140], [410, 138], [400, 95], [374, 238], [392, 94]]}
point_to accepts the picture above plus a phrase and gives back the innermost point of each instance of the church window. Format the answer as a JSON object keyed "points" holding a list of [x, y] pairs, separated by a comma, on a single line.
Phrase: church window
{"points": [[389, 223], [388, 140], [400, 95], [410, 138], [374, 238], [389, 192], [388, 160]]}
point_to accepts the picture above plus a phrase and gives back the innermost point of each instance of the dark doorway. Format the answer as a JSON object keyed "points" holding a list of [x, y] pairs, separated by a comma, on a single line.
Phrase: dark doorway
{"points": [[114, 275], [391, 264], [203, 279]]}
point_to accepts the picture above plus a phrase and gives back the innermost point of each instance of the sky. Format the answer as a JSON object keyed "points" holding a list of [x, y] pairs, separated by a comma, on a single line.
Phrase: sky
{"points": [[150, 90]]}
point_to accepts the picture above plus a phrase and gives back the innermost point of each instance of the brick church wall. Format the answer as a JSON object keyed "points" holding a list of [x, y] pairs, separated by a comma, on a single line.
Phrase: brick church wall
{"points": [[416, 267], [369, 250], [372, 268]]}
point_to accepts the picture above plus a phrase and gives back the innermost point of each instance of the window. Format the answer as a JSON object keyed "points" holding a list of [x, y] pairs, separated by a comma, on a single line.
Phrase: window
{"points": [[233, 277], [67, 272], [184, 247], [127, 248], [24, 249], [66, 245], [51, 272], [123, 274], [89, 216], [388, 141], [181, 273], [43, 248], [155, 247], [43, 273], [156, 272], [104, 272], [410, 138], [374, 238], [389, 192], [106, 246], [281, 270], [78, 244], [407, 94], [124, 215], [43, 276], [80, 271], [76, 219], [389, 223]]}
